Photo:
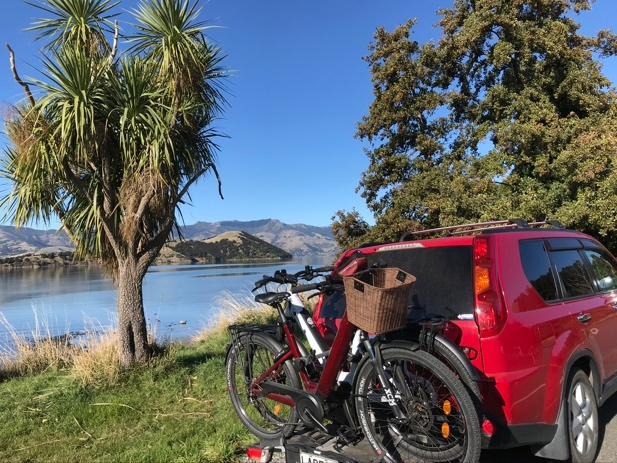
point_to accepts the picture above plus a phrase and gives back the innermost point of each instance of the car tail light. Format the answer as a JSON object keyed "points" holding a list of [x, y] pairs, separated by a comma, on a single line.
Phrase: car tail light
{"points": [[353, 267], [258, 455], [489, 313]]}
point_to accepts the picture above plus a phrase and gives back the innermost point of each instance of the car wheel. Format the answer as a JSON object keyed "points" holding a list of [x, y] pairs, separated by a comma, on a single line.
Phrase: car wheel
{"points": [[582, 418]]}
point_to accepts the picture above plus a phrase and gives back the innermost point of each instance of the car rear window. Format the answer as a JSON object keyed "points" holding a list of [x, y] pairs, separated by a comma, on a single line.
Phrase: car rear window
{"points": [[444, 279], [537, 268], [603, 268], [571, 269]]}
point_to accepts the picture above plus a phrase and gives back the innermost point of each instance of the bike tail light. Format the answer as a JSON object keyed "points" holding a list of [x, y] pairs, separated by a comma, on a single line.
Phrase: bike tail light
{"points": [[489, 313], [258, 455]]}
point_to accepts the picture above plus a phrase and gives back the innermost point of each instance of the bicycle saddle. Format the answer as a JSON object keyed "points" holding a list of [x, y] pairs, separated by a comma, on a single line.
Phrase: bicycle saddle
{"points": [[271, 298]]}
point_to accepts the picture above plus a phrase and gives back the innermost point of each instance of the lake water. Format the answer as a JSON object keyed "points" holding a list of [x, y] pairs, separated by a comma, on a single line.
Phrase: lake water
{"points": [[71, 299]]}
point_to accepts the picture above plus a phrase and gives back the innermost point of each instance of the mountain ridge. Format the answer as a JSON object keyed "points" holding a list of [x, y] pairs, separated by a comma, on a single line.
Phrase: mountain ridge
{"points": [[297, 239]]}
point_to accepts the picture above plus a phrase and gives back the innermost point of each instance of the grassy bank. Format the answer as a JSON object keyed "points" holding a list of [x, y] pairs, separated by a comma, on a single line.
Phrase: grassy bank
{"points": [[174, 410]]}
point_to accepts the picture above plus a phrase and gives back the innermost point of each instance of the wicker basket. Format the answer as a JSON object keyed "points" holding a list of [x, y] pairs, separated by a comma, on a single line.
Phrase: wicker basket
{"points": [[377, 299]]}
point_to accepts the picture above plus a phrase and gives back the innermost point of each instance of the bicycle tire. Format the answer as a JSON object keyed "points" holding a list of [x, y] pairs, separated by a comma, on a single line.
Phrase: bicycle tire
{"points": [[382, 438], [244, 344]]}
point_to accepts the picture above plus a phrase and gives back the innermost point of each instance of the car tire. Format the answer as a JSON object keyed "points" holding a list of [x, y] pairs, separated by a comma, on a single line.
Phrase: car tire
{"points": [[583, 424]]}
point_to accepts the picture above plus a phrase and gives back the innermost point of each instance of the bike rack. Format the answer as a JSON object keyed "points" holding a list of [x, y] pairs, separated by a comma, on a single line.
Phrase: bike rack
{"points": [[310, 446]]}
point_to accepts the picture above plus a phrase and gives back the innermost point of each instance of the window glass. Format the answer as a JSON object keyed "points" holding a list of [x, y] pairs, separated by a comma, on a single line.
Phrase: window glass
{"points": [[334, 305], [556, 244], [604, 271], [571, 270], [537, 268], [591, 244], [444, 279]]}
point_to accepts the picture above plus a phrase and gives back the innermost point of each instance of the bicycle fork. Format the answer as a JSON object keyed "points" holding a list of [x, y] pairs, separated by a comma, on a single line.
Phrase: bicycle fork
{"points": [[374, 352]]}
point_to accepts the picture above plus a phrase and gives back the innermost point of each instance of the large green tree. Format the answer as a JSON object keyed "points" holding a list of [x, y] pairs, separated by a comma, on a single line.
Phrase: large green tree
{"points": [[507, 115], [111, 142]]}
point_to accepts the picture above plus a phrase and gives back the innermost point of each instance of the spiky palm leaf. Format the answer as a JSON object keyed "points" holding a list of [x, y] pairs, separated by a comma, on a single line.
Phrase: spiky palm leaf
{"points": [[170, 33], [74, 22]]}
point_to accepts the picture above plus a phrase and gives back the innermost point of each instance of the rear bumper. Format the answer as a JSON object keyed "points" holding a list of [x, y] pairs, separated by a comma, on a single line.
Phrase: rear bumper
{"points": [[520, 435]]}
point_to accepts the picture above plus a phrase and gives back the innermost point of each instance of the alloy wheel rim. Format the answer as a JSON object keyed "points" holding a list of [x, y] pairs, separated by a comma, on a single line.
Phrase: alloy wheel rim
{"points": [[583, 419]]}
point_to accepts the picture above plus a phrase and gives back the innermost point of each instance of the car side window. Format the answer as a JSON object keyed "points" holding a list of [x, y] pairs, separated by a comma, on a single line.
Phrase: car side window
{"points": [[537, 267], [334, 305], [572, 273], [604, 269]]}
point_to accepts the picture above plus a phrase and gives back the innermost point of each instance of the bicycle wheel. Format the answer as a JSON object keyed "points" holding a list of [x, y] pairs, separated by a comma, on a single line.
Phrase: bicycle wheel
{"points": [[250, 356], [440, 424]]}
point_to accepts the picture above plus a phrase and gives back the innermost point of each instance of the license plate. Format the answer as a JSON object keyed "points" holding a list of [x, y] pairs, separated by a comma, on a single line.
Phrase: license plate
{"points": [[313, 458]]}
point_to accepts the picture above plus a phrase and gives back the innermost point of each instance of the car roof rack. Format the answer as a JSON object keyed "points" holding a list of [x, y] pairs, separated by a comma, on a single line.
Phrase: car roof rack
{"points": [[480, 227]]}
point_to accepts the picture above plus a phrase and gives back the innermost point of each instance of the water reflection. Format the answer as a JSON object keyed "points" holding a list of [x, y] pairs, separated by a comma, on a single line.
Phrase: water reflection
{"points": [[70, 298]]}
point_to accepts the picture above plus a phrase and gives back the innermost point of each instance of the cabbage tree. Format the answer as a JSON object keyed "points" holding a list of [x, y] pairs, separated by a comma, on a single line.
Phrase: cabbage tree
{"points": [[113, 135]]}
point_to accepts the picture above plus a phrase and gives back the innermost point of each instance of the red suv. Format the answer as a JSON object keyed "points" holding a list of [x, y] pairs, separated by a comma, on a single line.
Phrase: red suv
{"points": [[535, 312]]}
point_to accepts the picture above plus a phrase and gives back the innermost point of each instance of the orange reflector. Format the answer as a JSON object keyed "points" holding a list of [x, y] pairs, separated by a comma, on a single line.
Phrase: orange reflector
{"points": [[447, 407], [483, 280], [278, 410], [445, 430]]}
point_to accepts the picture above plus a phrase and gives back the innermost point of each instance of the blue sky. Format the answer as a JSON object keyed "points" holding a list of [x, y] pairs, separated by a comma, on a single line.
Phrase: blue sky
{"points": [[297, 90]]}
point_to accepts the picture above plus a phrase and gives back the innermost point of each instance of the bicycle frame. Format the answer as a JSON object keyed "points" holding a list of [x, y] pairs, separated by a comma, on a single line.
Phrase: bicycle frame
{"points": [[327, 381]]}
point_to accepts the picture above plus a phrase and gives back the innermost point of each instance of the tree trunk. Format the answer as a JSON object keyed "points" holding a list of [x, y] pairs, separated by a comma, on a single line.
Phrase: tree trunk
{"points": [[131, 319]]}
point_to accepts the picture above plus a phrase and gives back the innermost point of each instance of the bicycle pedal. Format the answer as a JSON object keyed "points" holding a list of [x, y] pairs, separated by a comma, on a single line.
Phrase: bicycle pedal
{"points": [[347, 436]]}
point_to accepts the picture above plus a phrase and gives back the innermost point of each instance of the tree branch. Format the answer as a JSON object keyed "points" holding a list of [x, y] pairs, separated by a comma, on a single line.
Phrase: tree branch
{"points": [[147, 256], [18, 79], [143, 204], [141, 209], [79, 184], [114, 48], [75, 180], [111, 237]]}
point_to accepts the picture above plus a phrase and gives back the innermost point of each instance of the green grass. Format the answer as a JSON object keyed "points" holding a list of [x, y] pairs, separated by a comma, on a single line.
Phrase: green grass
{"points": [[174, 410]]}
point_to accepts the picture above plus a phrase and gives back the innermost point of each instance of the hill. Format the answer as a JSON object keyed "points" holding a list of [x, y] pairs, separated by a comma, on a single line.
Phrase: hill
{"points": [[231, 246], [27, 240], [296, 239]]}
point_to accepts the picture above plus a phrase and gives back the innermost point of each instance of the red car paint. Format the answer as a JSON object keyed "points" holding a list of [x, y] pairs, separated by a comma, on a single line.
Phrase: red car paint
{"points": [[522, 345]]}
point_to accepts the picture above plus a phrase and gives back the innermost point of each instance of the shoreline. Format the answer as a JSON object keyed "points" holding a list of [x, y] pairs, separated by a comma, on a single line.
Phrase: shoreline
{"points": [[53, 260]]}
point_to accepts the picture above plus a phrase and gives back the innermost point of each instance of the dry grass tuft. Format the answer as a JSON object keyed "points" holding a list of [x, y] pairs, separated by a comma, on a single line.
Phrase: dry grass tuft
{"points": [[97, 363], [237, 310], [91, 358], [42, 353]]}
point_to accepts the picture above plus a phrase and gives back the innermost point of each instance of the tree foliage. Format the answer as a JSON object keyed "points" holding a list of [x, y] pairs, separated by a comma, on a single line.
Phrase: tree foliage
{"points": [[507, 115], [113, 141], [348, 227]]}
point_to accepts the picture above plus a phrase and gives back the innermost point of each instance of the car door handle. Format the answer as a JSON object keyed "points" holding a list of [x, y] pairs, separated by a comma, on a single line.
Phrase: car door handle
{"points": [[584, 318]]}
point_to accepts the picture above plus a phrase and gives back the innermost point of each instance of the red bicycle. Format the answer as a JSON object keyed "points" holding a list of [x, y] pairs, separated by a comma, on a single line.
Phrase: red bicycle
{"points": [[407, 403]]}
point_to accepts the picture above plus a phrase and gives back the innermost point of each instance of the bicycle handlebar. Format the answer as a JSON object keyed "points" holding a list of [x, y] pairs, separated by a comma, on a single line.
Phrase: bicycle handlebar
{"points": [[323, 286], [282, 277], [304, 288]]}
